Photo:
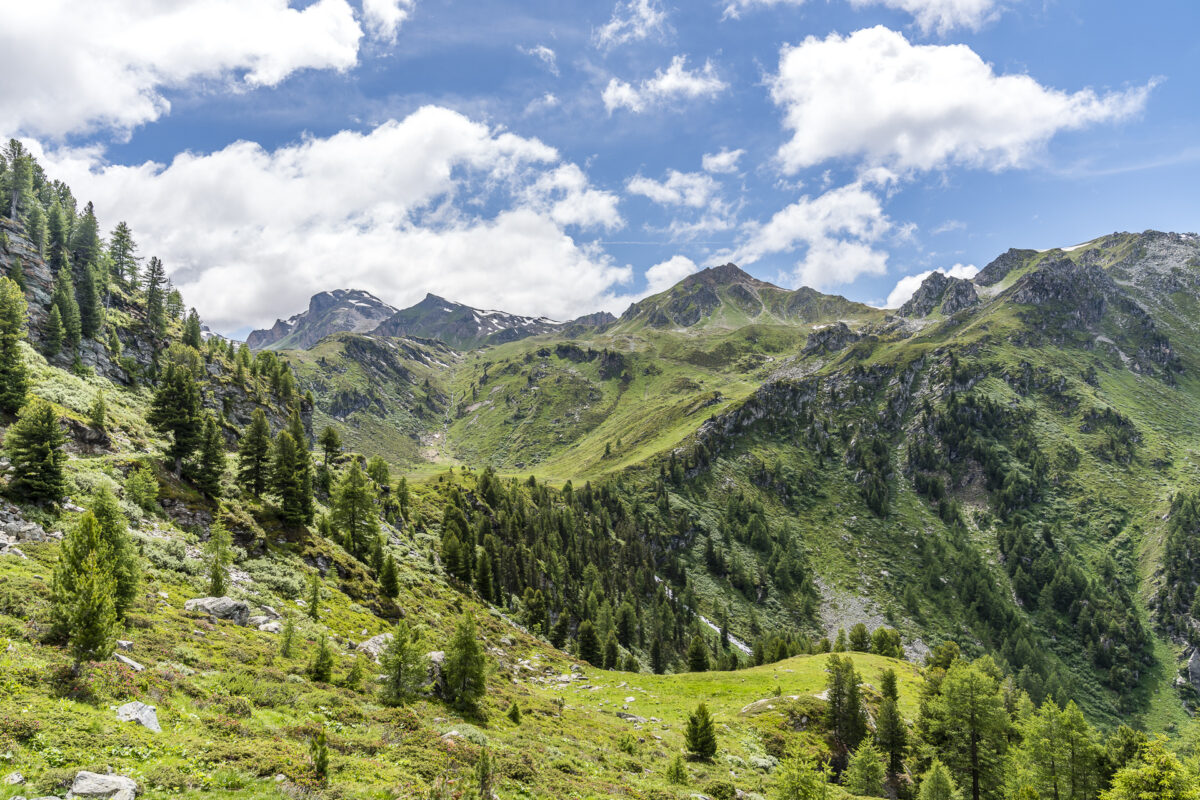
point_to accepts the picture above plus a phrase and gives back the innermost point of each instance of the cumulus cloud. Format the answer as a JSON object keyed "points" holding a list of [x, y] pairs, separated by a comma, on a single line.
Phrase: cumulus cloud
{"points": [[693, 189], [544, 54], [676, 83], [435, 202], [723, 162], [384, 17], [837, 230], [663, 276], [942, 16], [632, 21], [873, 95], [907, 286], [77, 67]]}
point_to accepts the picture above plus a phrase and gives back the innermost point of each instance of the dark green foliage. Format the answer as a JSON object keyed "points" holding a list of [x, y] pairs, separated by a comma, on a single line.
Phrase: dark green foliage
{"points": [[314, 597], [13, 380], [84, 593], [388, 580], [287, 483], [612, 651], [404, 667], [847, 718], [865, 772], [254, 455], [34, 444], [937, 784], [121, 558], [176, 413], [192, 335], [287, 639], [155, 282], [860, 638], [967, 723], [218, 552], [697, 656], [464, 668], [354, 513], [98, 413], [63, 299], [700, 735], [331, 444], [210, 466], [122, 255], [589, 644], [318, 754], [514, 713], [55, 335], [87, 296], [320, 669]]}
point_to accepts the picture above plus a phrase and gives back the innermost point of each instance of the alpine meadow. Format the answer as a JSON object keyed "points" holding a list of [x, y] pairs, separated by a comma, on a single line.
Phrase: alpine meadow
{"points": [[633, 422]]}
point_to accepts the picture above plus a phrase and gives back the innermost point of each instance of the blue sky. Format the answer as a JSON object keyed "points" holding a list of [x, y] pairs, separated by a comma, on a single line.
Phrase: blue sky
{"points": [[559, 157]]}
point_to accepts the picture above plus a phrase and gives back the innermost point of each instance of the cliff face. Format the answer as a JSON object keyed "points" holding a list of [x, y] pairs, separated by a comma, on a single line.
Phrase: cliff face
{"points": [[339, 311]]}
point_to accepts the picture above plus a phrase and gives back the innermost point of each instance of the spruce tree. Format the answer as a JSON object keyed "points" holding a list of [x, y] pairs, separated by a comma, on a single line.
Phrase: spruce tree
{"points": [[287, 640], [331, 444], [611, 651], [192, 333], [970, 726], [254, 455], [464, 668], [865, 773], [34, 444], [318, 754], [176, 413], [121, 557], [314, 597], [57, 233], [354, 512], [156, 281], [483, 575], [800, 777], [658, 662], [20, 178], [302, 466], [320, 669], [85, 238], [388, 580], [404, 667], [286, 483], [13, 381], [937, 784], [698, 655], [219, 553], [63, 299], [847, 719], [87, 297], [700, 736], [35, 227], [56, 334], [891, 735], [17, 273], [83, 592], [98, 413], [211, 463], [122, 255], [589, 644]]}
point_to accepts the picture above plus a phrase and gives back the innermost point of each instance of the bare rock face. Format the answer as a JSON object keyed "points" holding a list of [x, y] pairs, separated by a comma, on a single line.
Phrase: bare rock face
{"points": [[225, 608], [830, 339], [999, 268], [375, 646], [328, 313], [939, 291]]}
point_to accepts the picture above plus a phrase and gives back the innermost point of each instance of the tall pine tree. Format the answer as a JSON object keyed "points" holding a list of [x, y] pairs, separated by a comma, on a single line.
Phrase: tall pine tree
{"points": [[354, 512], [63, 299], [254, 455], [34, 444], [13, 380], [176, 413], [210, 466]]}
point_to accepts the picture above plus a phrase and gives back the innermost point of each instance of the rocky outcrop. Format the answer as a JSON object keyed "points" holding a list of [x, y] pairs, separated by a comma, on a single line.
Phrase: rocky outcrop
{"points": [[375, 646], [328, 313], [1003, 264], [225, 608], [939, 292], [460, 326], [142, 714], [93, 785], [830, 339]]}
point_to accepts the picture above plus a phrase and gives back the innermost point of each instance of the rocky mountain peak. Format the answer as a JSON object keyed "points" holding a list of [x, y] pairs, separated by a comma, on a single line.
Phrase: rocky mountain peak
{"points": [[330, 312]]}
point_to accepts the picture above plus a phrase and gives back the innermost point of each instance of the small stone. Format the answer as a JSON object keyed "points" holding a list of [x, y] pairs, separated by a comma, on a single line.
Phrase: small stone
{"points": [[144, 715], [375, 646], [274, 626], [125, 645], [14, 778], [129, 662], [226, 608]]}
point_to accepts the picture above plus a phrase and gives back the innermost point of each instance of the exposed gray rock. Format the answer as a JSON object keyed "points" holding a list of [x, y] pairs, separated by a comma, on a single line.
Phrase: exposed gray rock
{"points": [[129, 662], [225, 608], [123, 644], [328, 313], [830, 339], [1193, 669], [142, 714], [939, 292], [91, 784], [375, 646], [274, 626], [634, 718], [14, 778], [999, 268]]}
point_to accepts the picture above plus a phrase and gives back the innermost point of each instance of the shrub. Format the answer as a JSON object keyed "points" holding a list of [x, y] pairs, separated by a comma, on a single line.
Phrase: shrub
{"points": [[141, 489], [98, 682]]}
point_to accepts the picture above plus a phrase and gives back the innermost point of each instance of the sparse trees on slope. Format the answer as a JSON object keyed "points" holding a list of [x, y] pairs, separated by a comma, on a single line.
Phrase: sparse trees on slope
{"points": [[287, 482], [34, 444], [320, 669], [13, 379], [404, 666], [254, 455], [176, 413], [192, 333]]}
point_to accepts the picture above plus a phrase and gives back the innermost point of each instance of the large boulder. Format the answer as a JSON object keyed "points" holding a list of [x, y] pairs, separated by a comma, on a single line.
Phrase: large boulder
{"points": [[436, 660], [91, 784], [226, 608], [142, 714], [375, 646], [1193, 669]]}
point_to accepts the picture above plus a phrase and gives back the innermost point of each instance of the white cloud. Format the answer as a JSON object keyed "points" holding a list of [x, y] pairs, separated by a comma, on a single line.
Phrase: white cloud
{"points": [[435, 202], [72, 67], [694, 189], [723, 162], [875, 96], [735, 7], [663, 276], [544, 103], [677, 82], [544, 54], [837, 229], [907, 286], [631, 21], [384, 17], [942, 16]]}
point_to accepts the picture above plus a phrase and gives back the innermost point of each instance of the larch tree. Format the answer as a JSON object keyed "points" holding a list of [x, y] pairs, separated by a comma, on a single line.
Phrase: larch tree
{"points": [[354, 512]]}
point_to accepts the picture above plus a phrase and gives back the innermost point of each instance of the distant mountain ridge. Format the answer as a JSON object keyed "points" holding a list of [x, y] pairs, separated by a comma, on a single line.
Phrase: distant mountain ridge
{"points": [[337, 311], [461, 326]]}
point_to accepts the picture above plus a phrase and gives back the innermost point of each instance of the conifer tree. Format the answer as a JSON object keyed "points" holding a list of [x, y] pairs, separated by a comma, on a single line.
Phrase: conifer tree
{"points": [[156, 281], [56, 334], [314, 597], [57, 233], [700, 735], [318, 754], [483, 575], [658, 663], [464, 668], [891, 735], [35, 227], [17, 273], [800, 777], [287, 484], [320, 669], [13, 380], [85, 238], [211, 465], [20, 179], [176, 412], [192, 334], [122, 255], [354, 511], [968, 723], [937, 784], [34, 444], [84, 592], [611, 651], [388, 580], [589, 644], [87, 297], [63, 299], [219, 552], [404, 667], [98, 413], [254, 455], [303, 465], [121, 558], [865, 772], [846, 717], [287, 639], [331, 444], [698, 655]]}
